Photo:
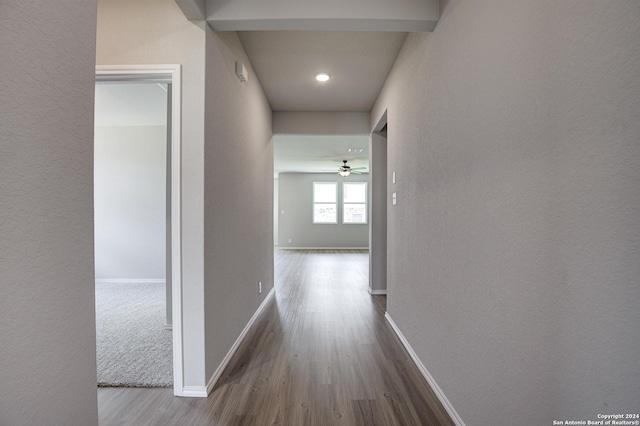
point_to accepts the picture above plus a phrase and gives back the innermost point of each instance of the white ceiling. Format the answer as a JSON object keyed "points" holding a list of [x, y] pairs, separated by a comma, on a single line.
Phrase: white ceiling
{"points": [[318, 153], [286, 61]]}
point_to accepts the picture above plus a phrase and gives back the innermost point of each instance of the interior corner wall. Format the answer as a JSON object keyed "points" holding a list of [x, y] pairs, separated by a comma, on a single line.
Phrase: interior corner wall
{"points": [[157, 32], [514, 250], [47, 313], [238, 226], [296, 224]]}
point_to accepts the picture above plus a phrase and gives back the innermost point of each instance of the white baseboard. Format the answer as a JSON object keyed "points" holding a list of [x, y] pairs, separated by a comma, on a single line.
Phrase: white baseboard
{"points": [[323, 248], [216, 374], [377, 292], [195, 391], [428, 377], [130, 280]]}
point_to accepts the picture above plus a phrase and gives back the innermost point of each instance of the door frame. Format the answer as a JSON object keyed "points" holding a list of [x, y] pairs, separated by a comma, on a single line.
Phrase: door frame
{"points": [[378, 207], [165, 73]]}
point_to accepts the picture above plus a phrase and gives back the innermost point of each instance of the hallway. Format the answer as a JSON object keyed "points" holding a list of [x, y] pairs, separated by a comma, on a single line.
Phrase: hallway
{"points": [[320, 354]]}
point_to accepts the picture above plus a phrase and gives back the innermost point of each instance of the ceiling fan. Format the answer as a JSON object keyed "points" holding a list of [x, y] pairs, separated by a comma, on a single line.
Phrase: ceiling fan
{"points": [[345, 170]]}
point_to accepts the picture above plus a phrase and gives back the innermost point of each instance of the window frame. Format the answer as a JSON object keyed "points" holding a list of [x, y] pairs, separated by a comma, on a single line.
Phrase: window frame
{"points": [[314, 203], [365, 203]]}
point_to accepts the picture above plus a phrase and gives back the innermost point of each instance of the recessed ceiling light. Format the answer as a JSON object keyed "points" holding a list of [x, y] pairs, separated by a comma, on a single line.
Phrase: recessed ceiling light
{"points": [[323, 76], [356, 149]]}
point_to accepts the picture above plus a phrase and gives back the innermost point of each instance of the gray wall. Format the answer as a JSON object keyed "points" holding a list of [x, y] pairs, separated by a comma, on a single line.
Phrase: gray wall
{"points": [[276, 185], [378, 213], [296, 199], [514, 250], [156, 32], [238, 197], [321, 123], [48, 369], [130, 197]]}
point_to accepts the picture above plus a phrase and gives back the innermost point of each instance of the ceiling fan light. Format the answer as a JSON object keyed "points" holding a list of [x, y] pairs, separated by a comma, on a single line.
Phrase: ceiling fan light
{"points": [[344, 170]]}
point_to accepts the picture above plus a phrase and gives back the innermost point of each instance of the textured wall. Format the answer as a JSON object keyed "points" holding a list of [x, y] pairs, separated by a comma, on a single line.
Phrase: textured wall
{"points": [[156, 32], [238, 196], [47, 326], [296, 199], [515, 247]]}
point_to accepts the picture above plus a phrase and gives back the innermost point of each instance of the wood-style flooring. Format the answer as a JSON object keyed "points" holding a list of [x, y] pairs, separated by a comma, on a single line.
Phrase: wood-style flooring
{"points": [[320, 354]]}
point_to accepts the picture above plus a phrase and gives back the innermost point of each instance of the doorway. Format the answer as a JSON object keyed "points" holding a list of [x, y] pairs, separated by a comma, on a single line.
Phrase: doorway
{"points": [[378, 208], [157, 240]]}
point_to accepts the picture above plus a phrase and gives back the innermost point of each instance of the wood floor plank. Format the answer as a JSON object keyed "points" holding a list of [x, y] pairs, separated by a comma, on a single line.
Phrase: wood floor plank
{"points": [[320, 354]]}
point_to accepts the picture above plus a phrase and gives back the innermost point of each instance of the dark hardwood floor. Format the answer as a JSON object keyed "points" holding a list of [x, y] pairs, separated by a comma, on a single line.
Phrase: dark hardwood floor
{"points": [[320, 354]]}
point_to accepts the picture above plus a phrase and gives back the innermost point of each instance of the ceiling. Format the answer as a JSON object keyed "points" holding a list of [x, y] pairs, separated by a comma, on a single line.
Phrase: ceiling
{"points": [[319, 153], [289, 41], [285, 63]]}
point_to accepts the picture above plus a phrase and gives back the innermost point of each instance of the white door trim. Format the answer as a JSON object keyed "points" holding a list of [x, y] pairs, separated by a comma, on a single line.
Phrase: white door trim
{"points": [[171, 73]]}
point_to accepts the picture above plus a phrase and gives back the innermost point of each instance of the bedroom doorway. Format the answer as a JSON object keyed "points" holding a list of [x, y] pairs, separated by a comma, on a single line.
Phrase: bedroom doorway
{"points": [[137, 226]]}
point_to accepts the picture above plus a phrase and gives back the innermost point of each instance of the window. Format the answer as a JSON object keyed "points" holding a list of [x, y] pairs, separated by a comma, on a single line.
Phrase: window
{"points": [[354, 206], [325, 206]]}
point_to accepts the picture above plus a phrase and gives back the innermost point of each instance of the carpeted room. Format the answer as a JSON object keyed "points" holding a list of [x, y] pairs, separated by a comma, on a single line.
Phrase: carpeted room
{"points": [[133, 339], [133, 348]]}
